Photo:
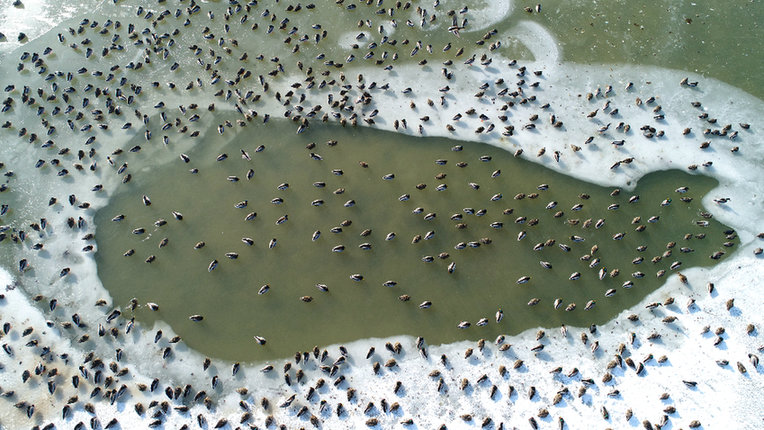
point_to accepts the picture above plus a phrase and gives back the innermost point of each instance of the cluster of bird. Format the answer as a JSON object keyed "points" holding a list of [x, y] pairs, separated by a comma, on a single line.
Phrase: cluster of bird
{"points": [[162, 76], [64, 110]]}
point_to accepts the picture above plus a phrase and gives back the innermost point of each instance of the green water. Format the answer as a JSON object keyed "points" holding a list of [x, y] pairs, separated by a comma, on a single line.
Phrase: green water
{"points": [[721, 42], [485, 277]]}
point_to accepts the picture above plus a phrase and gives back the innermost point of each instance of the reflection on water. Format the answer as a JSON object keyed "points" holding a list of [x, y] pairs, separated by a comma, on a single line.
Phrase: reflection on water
{"points": [[430, 177]]}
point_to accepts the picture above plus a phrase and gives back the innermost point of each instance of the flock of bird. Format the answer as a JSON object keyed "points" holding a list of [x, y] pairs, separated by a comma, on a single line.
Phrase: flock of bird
{"points": [[90, 115]]}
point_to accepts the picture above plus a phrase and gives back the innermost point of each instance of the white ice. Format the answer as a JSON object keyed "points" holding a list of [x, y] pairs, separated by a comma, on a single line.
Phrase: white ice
{"points": [[723, 396]]}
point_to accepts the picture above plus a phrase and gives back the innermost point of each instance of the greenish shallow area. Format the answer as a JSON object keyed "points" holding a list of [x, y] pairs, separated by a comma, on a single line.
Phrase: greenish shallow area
{"points": [[721, 42], [484, 280], [718, 40]]}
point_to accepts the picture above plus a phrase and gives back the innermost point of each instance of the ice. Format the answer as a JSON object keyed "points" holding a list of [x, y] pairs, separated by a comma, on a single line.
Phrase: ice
{"points": [[35, 18], [722, 396]]}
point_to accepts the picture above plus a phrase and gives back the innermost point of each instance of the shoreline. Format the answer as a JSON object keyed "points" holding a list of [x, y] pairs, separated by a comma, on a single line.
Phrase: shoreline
{"points": [[681, 341]]}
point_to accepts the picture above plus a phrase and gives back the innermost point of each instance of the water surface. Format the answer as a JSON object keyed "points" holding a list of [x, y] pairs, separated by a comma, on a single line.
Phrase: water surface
{"points": [[484, 279]]}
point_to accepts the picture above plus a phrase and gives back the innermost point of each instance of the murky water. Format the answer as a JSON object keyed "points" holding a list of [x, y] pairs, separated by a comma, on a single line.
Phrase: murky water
{"points": [[705, 37], [485, 277], [100, 111], [484, 280]]}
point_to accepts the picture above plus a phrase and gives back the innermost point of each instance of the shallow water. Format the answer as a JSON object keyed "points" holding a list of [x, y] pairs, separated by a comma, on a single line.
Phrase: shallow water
{"points": [[580, 48], [706, 37], [157, 160], [485, 278]]}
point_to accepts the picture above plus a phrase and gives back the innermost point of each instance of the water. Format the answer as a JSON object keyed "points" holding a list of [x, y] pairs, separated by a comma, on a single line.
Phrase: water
{"points": [[580, 47], [172, 280], [178, 279], [719, 42]]}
